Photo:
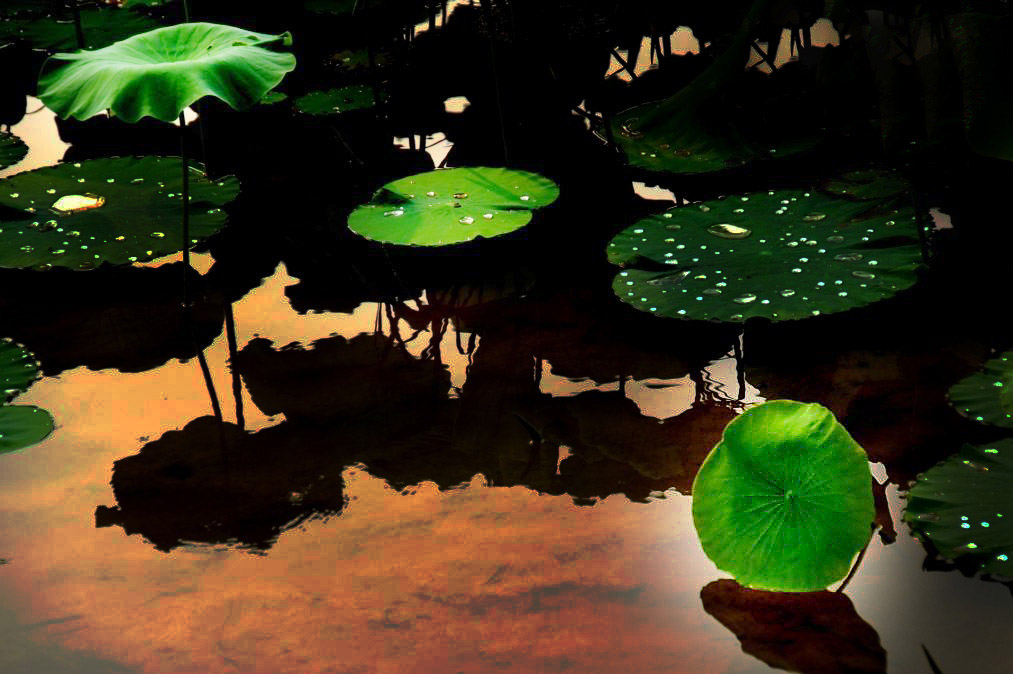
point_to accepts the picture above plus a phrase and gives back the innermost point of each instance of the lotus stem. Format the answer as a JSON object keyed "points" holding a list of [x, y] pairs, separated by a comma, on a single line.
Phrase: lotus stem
{"points": [[237, 383], [209, 383], [487, 11], [78, 28], [186, 207]]}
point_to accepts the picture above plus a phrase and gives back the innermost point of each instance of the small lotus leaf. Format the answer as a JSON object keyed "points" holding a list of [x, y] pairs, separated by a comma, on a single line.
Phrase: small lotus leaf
{"points": [[18, 369], [452, 206], [22, 426], [780, 255], [101, 27], [964, 507], [987, 396], [784, 502], [12, 150], [161, 72], [138, 218], [336, 101]]}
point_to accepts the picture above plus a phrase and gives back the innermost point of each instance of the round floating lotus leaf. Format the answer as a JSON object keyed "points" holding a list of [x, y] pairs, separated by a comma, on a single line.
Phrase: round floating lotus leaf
{"points": [[161, 72], [964, 507], [779, 255], [452, 206], [987, 396], [868, 184], [784, 502], [12, 150], [18, 369], [101, 27], [116, 211], [336, 101], [272, 97], [22, 426]]}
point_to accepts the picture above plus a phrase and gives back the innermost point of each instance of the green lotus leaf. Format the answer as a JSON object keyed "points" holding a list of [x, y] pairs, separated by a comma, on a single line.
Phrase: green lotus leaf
{"points": [[452, 206], [964, 507], [336, 101], [18, 369], [129, 212], [779, 255], [868, 184], [12, 150], [22, 426], [161, 72], [101, 28], [987, 396], [784, 502], [272, 97]]}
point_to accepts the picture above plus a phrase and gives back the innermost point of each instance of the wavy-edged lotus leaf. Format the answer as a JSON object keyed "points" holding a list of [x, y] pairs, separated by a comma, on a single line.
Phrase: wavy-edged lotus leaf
{"points": [[22, 426], [964, 508], [868, 184], [112, 210], [161, 72], [813, 633], [779, 255], [784, 502], [336, 101], [101, 28], [18, 369], [455, 205], [12, 150], [987, 396]]}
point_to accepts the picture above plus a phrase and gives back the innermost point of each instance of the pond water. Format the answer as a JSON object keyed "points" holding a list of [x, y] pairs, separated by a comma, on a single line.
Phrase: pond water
{"points": [[507, 492]]}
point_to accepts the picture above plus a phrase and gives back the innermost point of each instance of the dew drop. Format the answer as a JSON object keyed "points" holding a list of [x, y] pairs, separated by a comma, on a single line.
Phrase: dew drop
{"points": [[863, 274], [814, 217], [787, 292], [744, 299], [467, 220], [525, 197], [158, 235], [849, 257], [724, 230], [487, 216]]}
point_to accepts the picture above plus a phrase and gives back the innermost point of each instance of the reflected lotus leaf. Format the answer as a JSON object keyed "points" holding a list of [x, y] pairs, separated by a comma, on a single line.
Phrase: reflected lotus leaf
{"points": [[987, 396], [811, 633], [784, 502], [12, 150], [336, 101], [780, 255], [131, 214], [101, 27], [22, 426], [161, 72], [18, 369], [449, 206], [962, 508]]}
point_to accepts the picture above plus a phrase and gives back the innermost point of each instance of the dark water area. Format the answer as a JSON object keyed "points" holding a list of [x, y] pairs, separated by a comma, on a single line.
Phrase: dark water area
{"points": [[473, 458]]}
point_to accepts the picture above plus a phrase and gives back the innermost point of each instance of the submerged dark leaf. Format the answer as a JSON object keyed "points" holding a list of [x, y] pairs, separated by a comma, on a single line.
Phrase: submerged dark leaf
{"points": [[987, 396], [101, 27], [12, 150], [336, 101]]}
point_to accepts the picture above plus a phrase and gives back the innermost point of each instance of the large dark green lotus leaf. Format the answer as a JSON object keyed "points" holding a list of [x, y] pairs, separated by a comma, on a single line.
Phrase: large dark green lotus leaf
{"points": [[138, 221], [161, 72], [22, 426], [868, 184], [452, 206], [336, 101], [784, 502], [780, 255], [12, 150], [101, 27], [964, 507], [812, 632], [18, 369], [987, 396]]}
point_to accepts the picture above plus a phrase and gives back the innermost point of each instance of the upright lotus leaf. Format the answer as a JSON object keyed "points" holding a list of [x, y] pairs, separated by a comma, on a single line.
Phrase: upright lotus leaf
{"points": [[336, 101], [161, 72], [452, 206], [779, 255], [963, 508], [12, 150], [112, 210], [22, 426], [987, 396], [18, 369], [101, 27], [784, 502]]}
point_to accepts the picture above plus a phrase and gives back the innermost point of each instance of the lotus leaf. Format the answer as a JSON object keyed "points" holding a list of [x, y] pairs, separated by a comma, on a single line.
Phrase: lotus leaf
{"points": [[780, 255], [336, 101], [962, 507], [987, 396], [784, 502], [23, 425], [12, 150], [18, 369], [101, 27], [114, 210], [452, 206], [868, 184], [161, 72]]}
